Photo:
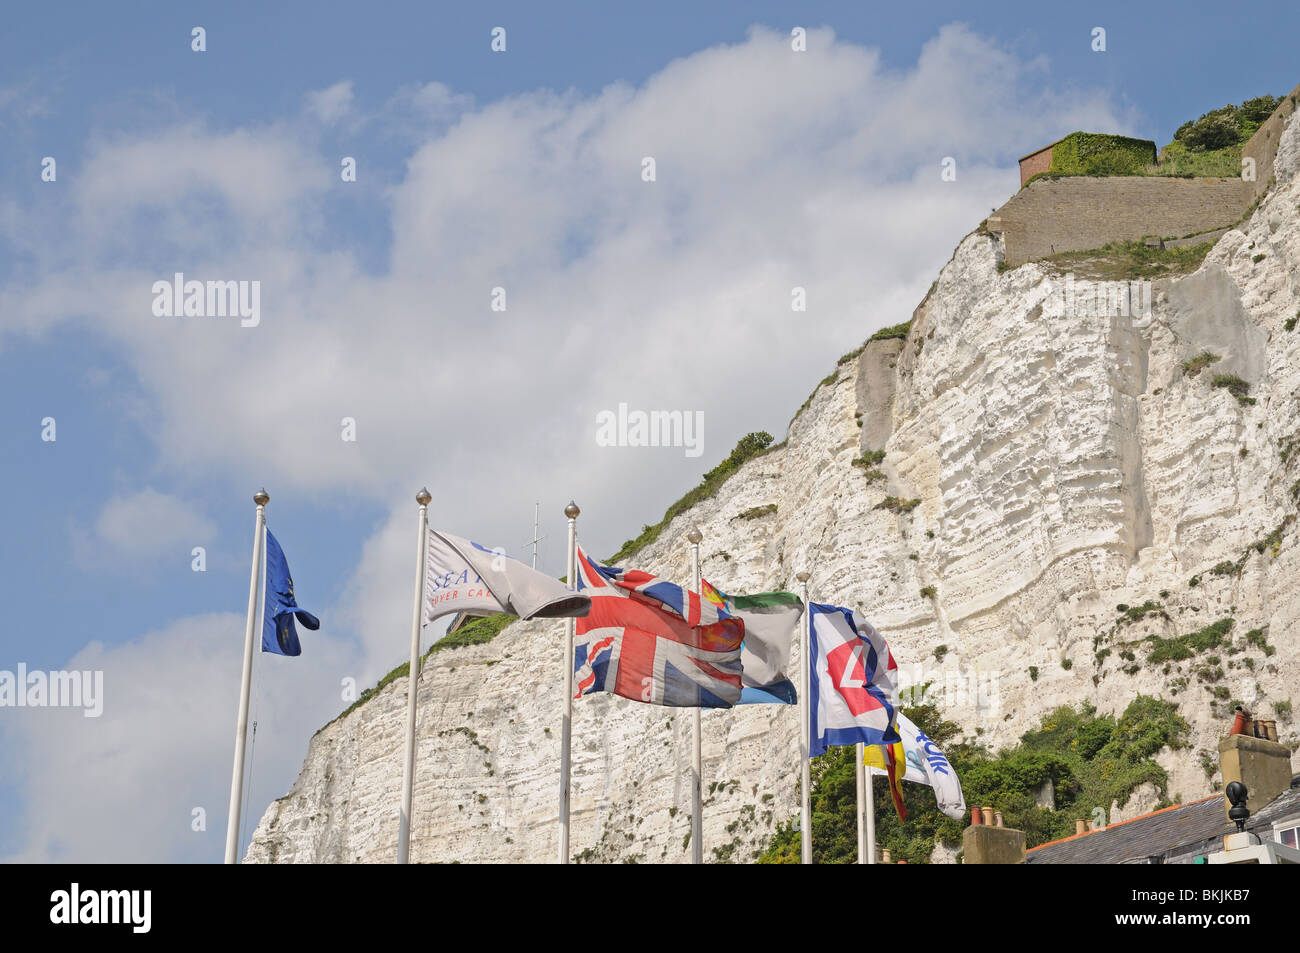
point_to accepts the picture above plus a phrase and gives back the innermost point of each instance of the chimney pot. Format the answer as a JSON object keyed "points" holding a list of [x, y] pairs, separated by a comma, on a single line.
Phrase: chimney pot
{"points": [[1263, 766], [885, 856], [988, 816], [1080, 826], [997, 818], [975, 817], [1239, 721]]}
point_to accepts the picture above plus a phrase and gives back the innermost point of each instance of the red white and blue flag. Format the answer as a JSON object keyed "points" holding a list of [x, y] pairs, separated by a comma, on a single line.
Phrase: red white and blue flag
{"points": [[653, 641], [854, 681]]}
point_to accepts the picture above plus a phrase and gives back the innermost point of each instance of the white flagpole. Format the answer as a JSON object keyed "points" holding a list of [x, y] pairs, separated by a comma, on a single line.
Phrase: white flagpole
{"points": [[261, 498], [413, 684], [805, 719], [862, 803], [566, 719], [697, 760], [871, 818]]}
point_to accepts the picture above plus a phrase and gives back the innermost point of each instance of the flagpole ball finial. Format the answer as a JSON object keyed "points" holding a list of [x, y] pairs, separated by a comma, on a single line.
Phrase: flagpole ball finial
{"points": [[424, 496], [801, 576], [695, 536], [572, 511], [261, 497]]}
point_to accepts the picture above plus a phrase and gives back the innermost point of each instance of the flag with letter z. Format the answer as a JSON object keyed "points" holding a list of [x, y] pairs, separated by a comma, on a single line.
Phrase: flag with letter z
{"points": [[653, 641], [854, 681]]}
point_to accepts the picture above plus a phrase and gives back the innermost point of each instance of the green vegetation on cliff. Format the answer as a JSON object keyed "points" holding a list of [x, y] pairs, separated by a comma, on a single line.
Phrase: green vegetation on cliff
{"points": [[473, 632], [893, 331], [750, 445], [1128, 260], [1090, 153], [1091, 761], [1228, 126], [1209, 145]]}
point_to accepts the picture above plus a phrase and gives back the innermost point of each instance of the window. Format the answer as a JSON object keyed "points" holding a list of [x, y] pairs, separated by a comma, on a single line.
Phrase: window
{"points": [[1287, 833]]}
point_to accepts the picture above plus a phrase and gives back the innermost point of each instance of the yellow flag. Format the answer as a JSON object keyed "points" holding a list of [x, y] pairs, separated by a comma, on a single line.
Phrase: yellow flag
{"points": [[874, 756]]}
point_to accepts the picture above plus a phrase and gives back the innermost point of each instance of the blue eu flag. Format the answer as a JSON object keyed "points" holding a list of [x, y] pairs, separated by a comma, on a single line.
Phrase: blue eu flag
{"points": [[279, 636]]}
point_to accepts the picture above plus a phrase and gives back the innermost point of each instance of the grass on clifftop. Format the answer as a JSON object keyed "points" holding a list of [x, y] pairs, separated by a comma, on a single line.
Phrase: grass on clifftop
{"points": [[474, 632], [1208, 146], [1091, 759], [1124, 261], [751, 445], [895, 331]]}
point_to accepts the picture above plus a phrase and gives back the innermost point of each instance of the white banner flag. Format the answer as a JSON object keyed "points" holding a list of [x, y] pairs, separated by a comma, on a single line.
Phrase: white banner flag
{"points": [[463, 576], [926, 764]]}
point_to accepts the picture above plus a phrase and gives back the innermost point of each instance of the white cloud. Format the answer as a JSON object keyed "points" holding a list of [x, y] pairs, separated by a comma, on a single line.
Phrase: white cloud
{"points": [[122, 787], [775, 169], [149, 524], [331, 104]]}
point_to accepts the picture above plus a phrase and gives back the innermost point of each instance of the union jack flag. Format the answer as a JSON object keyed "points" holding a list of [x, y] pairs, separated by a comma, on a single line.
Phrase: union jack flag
{"points": [[654, 642]]}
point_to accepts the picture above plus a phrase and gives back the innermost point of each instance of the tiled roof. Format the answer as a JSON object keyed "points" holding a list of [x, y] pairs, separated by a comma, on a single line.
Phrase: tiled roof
{"points": [[1175, 834]]}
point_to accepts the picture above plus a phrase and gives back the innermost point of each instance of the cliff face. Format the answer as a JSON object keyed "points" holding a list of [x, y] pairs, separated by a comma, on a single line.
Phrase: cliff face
{"points": [[1065, 463]]}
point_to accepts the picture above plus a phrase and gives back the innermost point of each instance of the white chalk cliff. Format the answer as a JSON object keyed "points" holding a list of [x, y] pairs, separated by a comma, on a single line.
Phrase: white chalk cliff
{"points": [[1064, 464]]}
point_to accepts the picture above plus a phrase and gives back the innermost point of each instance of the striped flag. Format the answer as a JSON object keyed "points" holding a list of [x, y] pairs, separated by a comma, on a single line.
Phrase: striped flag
{"points": [[853, 681], [653, 641]]}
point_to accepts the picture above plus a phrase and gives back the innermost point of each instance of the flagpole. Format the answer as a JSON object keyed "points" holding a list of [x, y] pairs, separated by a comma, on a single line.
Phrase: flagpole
{"points": [[805, 679], [412, 683], [871, 817], [697, 761], [862, 803], [261, 498], [566, 719]]}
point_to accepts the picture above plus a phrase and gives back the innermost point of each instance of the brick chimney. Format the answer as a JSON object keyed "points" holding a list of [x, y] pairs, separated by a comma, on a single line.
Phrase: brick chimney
{"points": [[991, 843], [1263, 766]]}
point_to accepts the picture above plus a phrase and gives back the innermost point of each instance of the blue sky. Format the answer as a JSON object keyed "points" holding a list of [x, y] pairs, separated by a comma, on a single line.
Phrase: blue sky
{"points": [[476, 169]]}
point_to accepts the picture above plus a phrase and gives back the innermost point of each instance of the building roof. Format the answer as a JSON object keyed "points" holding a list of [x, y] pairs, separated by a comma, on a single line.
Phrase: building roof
{"points": [[1050, 145], [1108, 135], [1172, 835]]}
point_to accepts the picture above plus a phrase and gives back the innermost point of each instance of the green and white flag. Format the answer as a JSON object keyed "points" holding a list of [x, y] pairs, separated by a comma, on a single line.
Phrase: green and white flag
{"points": [[771, 623]]}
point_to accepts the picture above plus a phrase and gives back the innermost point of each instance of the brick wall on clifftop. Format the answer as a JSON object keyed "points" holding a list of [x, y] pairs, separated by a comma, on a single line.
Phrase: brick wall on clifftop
{"points": [[1076, 213]]}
